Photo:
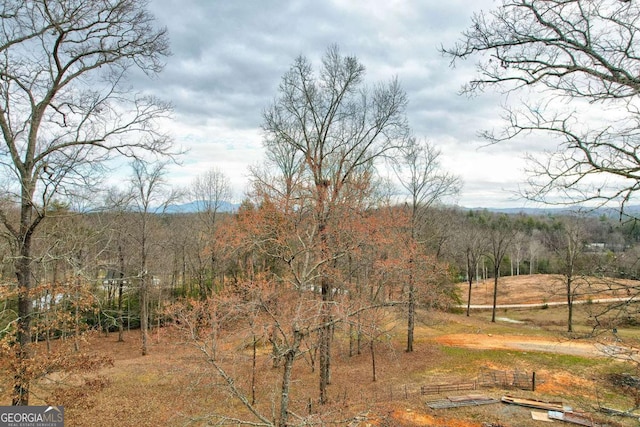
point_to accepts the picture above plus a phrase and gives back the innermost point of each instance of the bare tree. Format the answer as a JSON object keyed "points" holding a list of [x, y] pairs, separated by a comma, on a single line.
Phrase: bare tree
{"points": [[520, 240], [339, 127], [65, 110], [534, 250], [281, 175], [151, 195], [500, 235], [420, 174], [209, 191], [567, 239], [473, 242], [120, 245], [569, 57]]}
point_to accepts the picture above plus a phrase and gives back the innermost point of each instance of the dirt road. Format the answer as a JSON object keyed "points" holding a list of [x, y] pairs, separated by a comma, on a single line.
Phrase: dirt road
{"points": [[541, 305]]}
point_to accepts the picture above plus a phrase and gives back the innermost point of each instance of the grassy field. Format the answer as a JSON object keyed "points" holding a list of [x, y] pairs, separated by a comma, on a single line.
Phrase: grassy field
{"points": [[175, 386]]}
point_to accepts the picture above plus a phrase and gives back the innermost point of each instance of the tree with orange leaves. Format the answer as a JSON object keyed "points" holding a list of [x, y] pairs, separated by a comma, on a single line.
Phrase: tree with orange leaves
{"points": [[231, 327]]}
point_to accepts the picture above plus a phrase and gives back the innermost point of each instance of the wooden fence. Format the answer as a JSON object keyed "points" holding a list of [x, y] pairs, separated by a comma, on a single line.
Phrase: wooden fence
{"points": [[447, 387], [488, 378], [509, 380]]}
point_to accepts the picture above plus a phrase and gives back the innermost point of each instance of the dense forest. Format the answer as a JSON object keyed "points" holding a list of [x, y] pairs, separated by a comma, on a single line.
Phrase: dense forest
{"points": [[195, 254]]}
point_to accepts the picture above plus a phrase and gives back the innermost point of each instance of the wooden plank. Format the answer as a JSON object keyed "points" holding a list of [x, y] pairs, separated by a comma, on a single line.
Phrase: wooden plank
{"points": [[532, 403], [574, 418], [618, 413], [480, 397], [541, 416], [460, 401]]}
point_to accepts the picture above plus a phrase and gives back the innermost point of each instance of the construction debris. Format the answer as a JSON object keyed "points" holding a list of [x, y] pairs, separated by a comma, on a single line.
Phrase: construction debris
{"points": [[541, 416], [550, 410], [575, 418], [459, 401], [618, 413], [536, 404], [556, 411]]}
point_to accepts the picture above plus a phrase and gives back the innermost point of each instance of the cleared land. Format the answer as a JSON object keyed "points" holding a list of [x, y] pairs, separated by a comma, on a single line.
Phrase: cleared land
{"points": [[543, 288]]}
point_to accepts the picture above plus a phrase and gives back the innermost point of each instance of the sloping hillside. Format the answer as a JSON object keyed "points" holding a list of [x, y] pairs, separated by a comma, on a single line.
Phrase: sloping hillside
{"points": [[543, 288]]}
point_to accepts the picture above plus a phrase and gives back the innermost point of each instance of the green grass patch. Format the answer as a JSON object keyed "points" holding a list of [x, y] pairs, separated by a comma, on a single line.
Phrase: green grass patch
{"points": [[470, 359]]}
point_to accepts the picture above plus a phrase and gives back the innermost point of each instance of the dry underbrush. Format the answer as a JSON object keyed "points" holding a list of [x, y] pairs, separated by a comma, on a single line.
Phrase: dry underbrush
{"points": [[175, 386]]}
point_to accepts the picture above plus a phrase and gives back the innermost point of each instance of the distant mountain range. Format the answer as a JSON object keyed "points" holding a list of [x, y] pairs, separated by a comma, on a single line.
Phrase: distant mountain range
{"points": [[634, 210], [193, 207], [610, 212]]}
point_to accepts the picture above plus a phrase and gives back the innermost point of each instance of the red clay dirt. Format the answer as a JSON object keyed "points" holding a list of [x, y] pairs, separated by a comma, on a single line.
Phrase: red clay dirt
{"points": [[520, 343], [542, 288]]}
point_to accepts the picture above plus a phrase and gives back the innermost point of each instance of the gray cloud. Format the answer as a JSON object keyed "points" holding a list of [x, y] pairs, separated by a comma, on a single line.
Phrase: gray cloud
{"points": [[229, 56]]}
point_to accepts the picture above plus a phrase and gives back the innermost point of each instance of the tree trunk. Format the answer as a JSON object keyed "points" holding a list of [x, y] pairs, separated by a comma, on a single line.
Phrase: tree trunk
{"points": [[495, 294], [120, 289], [569, 305], [469, 297], [213, 271], [351, 339], [411, 315], [324, 347], [76, 315], [373, 358], [47, 334], [144, 315], [185, 291], [144, 290], [324, 338], [470, 280], [359, 336], [275, 352], [25, 308], [531, 262], [253, 370], [289, 358]]}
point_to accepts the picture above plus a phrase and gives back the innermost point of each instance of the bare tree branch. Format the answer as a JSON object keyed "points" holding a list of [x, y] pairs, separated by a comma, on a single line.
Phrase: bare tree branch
{"points": [[581, 60]]}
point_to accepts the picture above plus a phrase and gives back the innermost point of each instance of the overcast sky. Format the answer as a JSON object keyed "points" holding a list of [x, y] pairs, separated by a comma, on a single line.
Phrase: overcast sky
{"points": [[229, 56]]}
